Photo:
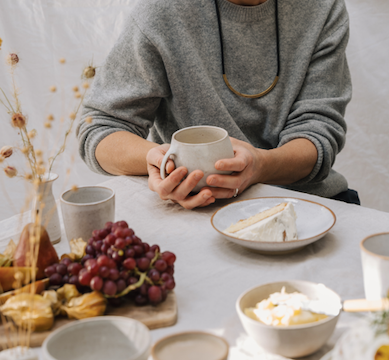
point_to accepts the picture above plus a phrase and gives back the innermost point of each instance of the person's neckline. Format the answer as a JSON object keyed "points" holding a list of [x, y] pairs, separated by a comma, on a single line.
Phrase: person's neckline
{"points": [[241, 13]]}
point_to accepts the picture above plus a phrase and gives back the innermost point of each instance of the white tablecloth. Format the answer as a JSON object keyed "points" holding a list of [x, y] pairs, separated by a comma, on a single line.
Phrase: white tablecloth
{"points": [[211, 272]]}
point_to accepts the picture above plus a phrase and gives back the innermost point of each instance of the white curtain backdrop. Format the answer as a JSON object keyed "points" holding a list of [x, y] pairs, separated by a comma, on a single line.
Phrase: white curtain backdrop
{"points": [[81, 31]]}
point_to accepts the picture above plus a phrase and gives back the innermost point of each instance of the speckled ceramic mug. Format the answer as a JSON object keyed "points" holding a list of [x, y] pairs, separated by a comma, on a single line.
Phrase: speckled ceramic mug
{"points": [[86, 209], [375, 265], [199, 148]]}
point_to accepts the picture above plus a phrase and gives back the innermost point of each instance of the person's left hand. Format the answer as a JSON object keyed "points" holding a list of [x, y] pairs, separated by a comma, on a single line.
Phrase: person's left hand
{"points": [[246, 166]]}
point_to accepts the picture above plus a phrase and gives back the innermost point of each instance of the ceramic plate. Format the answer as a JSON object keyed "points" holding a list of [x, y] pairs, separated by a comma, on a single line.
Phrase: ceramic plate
{"points": [[313, 222]]}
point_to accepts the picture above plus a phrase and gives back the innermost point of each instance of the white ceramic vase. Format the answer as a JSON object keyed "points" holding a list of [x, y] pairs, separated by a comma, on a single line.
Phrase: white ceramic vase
{"points": [[45, 205]]}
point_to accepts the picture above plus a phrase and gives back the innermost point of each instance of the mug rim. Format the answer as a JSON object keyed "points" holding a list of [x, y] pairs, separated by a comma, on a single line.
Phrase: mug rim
{"points": [[89, 203], [199, 126], [361, 244]]}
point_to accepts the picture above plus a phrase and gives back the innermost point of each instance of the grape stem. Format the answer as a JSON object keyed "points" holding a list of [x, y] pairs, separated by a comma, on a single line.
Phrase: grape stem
{"points": [[130, 287]]}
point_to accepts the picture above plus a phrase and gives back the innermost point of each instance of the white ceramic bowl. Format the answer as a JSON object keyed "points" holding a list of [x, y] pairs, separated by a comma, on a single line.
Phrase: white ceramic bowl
{"points": [[289, 341], [99, 338]]}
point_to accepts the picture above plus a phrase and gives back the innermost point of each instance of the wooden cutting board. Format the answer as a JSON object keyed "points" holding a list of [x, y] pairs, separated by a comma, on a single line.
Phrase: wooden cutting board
{"points": [[154, 317]]}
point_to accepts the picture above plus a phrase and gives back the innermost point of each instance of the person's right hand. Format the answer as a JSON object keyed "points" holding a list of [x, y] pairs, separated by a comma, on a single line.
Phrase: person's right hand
{"points": [[177, 186]]}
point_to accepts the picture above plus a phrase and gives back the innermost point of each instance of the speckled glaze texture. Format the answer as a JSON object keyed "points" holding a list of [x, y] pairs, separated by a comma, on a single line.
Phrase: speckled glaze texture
{"points": [[87, 209], [101, 338], [198, 148]]}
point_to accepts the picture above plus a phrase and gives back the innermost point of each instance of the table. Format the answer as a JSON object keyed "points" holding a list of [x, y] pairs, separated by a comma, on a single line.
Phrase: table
{"points": [[211, 272]]}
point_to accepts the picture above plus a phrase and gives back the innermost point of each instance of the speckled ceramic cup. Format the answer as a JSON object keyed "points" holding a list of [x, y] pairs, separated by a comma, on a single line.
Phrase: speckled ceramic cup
{"points": [[375, 265], [199, 148], [86, 209]]}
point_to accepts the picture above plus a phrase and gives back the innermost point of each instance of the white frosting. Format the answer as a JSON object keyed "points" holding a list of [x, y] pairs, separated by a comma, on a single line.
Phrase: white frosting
{"points": [[272, 228], [359, 343]]}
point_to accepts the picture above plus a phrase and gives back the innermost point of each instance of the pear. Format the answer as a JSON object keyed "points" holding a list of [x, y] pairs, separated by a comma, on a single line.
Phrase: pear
{"points": [[46, 255]]}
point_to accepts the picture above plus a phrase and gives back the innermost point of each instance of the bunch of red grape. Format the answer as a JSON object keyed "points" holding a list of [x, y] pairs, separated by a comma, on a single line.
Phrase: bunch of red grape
{"points": [[116, 259]]}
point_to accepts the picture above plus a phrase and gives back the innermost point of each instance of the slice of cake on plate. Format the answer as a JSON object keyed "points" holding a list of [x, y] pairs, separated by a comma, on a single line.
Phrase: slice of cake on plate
{"points": [[276, 224]]}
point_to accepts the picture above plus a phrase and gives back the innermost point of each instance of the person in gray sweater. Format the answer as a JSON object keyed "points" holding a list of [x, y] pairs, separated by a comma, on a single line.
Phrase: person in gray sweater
{"points": [[165, 73]]}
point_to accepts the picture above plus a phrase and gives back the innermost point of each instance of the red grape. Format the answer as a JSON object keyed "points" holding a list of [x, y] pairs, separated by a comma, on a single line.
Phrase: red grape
{"points": [[97, 245], [154, 275], [132, 280], [169, 257], [128, 240], [112, 264], [110, 238], [109, 288], [61, 269], [84, 277], [170, 284], [50, 270], [119, 233], [104, 271], [129, 263], [165, 277], [103, 260], [104, 248], [129, 253], [66, 261], [120, 243], [124, 274], [155, 248], [74, 280], [136, 240], [96, 283], [92, 266], [170, 270], [155, 294], [128, 232], [90, 250], [144, 288], [143, 263], [108, 224], [121, 285], [138, 250], [160, 265], [117, 257], [113, 274], [91, 241], [74, 268], [122, 224], [55, 279], [85, 258], [140, 300], [65, 279]]}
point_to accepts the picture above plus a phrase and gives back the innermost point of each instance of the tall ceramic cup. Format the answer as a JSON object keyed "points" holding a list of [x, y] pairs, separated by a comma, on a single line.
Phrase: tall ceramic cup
{"points": [[86, 209], [375, 265], [198, 148]]}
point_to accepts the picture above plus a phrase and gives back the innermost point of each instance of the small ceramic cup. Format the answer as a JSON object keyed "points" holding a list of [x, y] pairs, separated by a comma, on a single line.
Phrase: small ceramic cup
{"points": [[86, 209], [199, 148], [375, 265]]}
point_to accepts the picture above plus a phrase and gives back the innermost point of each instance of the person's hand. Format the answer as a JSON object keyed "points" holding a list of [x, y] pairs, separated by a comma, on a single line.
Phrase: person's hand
{"points": [[177, 186], [245, 165]]}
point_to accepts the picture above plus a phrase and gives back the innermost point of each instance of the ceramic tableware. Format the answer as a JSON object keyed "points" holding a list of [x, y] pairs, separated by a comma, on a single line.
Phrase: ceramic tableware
{"points": [[191, 345], [289, 341], [375, 265], [199, 148], [314, 220], [86, 209], [99, 338]]}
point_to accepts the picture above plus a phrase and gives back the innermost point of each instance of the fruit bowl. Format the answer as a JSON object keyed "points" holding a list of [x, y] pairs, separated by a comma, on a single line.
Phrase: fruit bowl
{"points": [[295, 340], [101, 338]]}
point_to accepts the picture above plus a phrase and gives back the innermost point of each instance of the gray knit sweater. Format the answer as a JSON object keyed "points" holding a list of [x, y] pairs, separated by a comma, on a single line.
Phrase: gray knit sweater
{"points": [[164, 73]]}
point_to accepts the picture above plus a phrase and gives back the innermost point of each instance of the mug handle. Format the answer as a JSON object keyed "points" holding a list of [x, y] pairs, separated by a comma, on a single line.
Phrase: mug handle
{"points": [[164, 161]]}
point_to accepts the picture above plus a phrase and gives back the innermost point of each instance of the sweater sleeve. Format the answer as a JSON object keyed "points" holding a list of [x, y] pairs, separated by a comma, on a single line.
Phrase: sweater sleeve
{"points": [[125, 94], [318, 112]]}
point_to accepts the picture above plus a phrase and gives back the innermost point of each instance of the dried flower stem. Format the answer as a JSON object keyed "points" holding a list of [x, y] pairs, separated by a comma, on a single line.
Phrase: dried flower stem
{"points": [[62, 148]]}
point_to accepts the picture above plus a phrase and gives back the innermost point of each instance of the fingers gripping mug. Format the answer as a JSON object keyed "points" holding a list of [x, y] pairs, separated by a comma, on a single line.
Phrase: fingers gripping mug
{"points": [[199, 148]]}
